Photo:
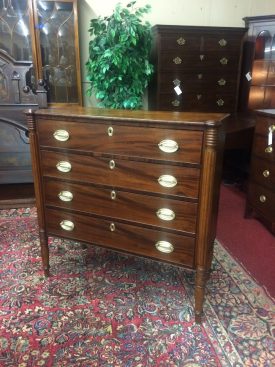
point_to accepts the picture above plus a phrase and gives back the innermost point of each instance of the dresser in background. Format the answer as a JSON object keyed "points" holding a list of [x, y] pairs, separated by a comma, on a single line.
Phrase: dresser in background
{"points": [[261, 187], [141, 182], [197, 68]]}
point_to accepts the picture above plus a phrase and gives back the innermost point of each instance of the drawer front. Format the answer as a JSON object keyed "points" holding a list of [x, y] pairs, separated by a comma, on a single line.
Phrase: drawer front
{"points": [[262, 149], [207, 102], [262, 172], [190, 41], [262, 199], [223, 82], [263, 126], [152, 210], [123, 237], [123, 140], [131, 175], [171, 61]]}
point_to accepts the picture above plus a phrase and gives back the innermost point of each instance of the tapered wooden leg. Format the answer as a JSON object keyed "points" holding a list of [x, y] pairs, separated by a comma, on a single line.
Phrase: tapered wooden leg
{"points": [[200, 282], [44, 252]]}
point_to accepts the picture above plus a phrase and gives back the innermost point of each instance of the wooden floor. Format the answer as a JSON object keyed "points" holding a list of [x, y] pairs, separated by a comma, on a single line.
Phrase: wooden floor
{"points": [[16, 196]]}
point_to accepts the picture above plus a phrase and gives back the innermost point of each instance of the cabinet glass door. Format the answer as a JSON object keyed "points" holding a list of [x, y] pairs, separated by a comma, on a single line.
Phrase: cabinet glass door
{"points": [[57, 45]]}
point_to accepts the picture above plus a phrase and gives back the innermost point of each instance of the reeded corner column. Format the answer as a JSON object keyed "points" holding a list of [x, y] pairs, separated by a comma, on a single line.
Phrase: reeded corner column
{"points": [[38, 190], [208, 209]]}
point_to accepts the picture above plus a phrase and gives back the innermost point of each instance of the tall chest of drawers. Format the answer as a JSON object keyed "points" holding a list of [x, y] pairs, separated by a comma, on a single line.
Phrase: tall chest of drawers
{"points": [[141, 182], [261, 187], [196, 68]]}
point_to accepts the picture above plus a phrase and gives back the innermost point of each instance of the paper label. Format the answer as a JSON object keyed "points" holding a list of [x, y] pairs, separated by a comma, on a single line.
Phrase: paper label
{"points": [[178, 90], [270, 138], [248, 76]]}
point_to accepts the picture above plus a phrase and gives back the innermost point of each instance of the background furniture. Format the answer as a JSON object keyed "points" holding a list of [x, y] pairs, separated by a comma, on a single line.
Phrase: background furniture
{"points": [[142, 182], [261, 188], [258, 75], [38, 53], [197, 68]]}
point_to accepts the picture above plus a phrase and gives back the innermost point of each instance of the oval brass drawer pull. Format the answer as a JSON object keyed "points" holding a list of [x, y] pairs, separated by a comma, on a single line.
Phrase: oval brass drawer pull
{"points": [[65, 196], [262, 198], [67, 225], [166, 214], [112, 227], [266, 173], [64, 166], [167, 181], [110, 131], [168, 146], [61, 135], [272, 128], [112, 164], [268, 149], [164, 246], [113, 195]]}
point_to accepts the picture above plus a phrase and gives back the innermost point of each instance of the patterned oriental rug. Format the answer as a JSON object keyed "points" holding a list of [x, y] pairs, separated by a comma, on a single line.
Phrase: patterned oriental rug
{"points": [[103, 309]]}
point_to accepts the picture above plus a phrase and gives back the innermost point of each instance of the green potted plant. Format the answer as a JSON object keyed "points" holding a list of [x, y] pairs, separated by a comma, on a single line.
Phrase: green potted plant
{"points": [[118, 67]]}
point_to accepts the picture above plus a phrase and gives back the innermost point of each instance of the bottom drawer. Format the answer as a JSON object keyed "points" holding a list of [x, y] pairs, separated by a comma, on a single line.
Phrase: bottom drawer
{"points": [[262, 199], [123, 237]]}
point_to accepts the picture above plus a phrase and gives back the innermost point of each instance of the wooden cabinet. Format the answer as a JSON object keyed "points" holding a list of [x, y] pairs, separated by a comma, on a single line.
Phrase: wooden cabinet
{"points": [[196, 68], [39, 65], [258, 76], [141, 182], [261, 188]]}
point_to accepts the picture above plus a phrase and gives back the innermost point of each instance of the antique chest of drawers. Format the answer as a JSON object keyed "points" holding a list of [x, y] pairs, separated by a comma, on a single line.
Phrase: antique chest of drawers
{"points": [[141, 182], [196, 68], [261, 187]]}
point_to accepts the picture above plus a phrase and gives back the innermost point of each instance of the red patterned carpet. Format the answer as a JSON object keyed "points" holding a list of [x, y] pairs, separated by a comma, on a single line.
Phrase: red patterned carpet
{"points": [[102, 309]]}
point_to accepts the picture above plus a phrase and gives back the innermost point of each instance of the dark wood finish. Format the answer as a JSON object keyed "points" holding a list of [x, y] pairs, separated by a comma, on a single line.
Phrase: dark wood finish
{"points": [[124, 205], [203, 61], [261, 188]]}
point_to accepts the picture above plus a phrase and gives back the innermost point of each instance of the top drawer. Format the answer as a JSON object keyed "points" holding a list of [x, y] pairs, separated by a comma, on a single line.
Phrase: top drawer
{"points": [[154, 143]]}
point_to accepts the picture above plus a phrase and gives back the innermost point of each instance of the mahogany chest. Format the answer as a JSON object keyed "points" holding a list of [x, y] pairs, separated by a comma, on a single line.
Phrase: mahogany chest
{"points": [[141, 182], [261, 187], [196, 68]]}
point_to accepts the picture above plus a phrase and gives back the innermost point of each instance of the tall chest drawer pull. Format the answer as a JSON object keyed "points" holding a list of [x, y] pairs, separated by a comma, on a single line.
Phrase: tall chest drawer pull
{"points": [[268, 149], [166, 214], [67, 225], [164, 246], [112, 227], [110, 131], [112, 164], [262, 198], [266, 173], [65, 196], [61, 135], [220, 102], [64, 166], [222, 42], [113, 195], [224, 61], [175, 103], [181, 41], [167, 181], [177, 60], [168, 146], [272, 128], [221, 81]]}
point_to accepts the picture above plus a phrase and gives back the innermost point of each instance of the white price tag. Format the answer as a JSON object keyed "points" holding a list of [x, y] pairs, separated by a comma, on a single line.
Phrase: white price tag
{"points": [[270, 138], [248, 76], [178, 90]]}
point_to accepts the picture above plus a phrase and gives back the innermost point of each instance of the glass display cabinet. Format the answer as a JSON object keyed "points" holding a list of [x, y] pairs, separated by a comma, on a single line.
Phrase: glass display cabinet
{"points": [[258, 75]]}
